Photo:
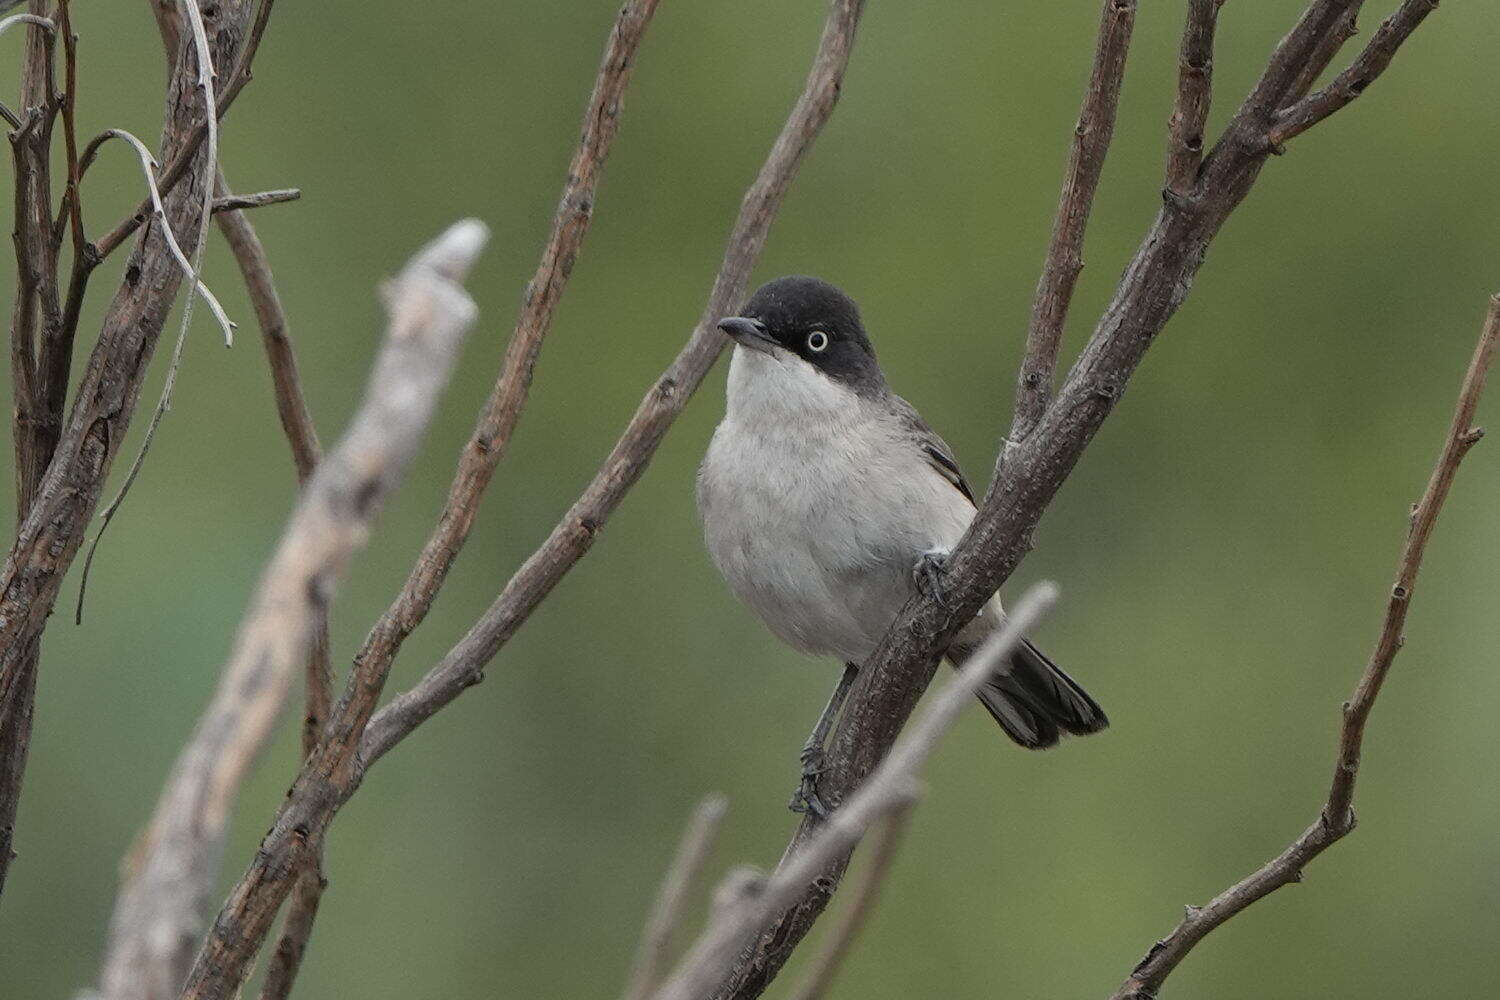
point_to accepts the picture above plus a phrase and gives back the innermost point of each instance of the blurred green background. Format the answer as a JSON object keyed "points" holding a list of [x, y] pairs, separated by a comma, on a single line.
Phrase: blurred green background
{"points": [[1224, 548]]}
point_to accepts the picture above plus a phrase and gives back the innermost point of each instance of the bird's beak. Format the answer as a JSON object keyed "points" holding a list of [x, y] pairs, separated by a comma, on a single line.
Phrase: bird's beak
{"points": [[749, 333]]}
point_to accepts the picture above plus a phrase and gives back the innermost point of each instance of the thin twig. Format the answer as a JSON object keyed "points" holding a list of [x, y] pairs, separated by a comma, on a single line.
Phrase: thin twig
{"points": [[1336, 818], [1352, 82], [158, 210], [255, 269], [1302, 53], [302, 437], [319, 791], [156, 922], [886, 839], [892, 787], [291, 947], [41, 22], [653, 957], [1344, 28], [260, 199], [175, 362], [72, 208], [39, 376], [1054, 291], [205, 79], [1195, 68], [178, 165]]}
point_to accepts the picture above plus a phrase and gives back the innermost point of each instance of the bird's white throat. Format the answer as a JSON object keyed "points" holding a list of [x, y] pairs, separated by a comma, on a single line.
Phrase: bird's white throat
{"points": [[781, 388]]}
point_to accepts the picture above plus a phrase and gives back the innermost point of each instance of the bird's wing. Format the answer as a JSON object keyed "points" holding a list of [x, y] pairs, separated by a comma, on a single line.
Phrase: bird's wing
{"points": [[934, 448]]}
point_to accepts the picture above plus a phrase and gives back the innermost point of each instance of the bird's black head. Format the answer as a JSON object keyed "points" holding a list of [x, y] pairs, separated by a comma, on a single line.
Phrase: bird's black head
{"points": [[813, 320]]}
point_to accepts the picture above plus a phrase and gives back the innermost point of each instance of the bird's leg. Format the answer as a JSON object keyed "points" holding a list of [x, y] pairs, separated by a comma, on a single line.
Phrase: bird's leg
{"points": [[806, 799], [928, 575]]}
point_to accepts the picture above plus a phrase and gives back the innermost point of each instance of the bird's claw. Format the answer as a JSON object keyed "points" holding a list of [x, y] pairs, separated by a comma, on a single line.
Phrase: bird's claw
{"points": [[928, 574], [806, 798]]}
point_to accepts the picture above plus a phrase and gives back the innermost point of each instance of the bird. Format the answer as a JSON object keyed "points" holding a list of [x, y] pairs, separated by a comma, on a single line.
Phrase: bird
{"points": [[827, 501]]}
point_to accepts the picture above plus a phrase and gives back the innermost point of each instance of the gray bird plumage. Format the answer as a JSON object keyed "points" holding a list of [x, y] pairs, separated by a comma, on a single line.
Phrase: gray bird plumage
{"points": [[822, 490]]}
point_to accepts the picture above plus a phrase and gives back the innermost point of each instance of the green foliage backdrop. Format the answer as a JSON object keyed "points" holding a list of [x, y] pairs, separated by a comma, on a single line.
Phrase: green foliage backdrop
{"points": [[1224, 548]]}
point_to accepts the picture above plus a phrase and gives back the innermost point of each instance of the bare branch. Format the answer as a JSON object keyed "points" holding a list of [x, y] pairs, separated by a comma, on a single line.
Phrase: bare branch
{"points": [[1030, 472], [203, 59], [1054, 291], [334, 774], [1337, 816], [190, 271], [502, 411], [68, 487], [38, 373], [260, 199], [1345, 28], [1365, 70], [286, 960], [651, 963], [1301, 55], [887, 839], [297, 424], [892, 787], [255, 268], [574, 535], [1195, 68], [178, 165], [158, 913]]}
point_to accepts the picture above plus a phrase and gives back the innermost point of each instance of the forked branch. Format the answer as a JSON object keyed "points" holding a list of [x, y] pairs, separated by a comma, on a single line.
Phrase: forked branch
{"points": [[1352, 82], [1031, 470], [891, 789], [1337, 815]]}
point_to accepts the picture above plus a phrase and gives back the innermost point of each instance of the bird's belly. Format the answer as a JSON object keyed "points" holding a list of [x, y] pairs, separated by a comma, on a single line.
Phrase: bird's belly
{"points": [[817, 541]]}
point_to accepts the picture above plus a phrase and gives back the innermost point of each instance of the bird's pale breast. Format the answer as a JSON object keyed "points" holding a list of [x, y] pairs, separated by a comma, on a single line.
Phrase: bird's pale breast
{"points": [[816, 505]]}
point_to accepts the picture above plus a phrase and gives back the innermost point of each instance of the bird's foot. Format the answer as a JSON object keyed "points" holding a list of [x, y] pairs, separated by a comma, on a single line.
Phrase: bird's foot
{"points": [[928, 575], [806, 798]]}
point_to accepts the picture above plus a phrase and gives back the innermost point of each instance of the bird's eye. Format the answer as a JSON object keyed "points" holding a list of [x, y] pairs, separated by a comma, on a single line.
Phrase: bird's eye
{"points": [[817, 341]]}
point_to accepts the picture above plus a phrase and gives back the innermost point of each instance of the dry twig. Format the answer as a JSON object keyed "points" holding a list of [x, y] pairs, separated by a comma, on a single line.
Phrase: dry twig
{"points": [[159, 910], [181, 160], [260, 199], [297, 425], [651, 963], [893, 787], [1054, 291], [1365, 70], [203, 60], [1336, 818], [864, 896], [39, 373], [336, 771], [1195, 68]]}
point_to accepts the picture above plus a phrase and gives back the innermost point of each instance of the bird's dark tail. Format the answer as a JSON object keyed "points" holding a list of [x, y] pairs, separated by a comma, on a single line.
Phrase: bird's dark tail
{"points": [[1033, 700]]}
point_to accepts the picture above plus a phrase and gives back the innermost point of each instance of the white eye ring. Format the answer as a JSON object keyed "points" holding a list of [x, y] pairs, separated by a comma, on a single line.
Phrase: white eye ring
{"points": [[817, 341]]}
